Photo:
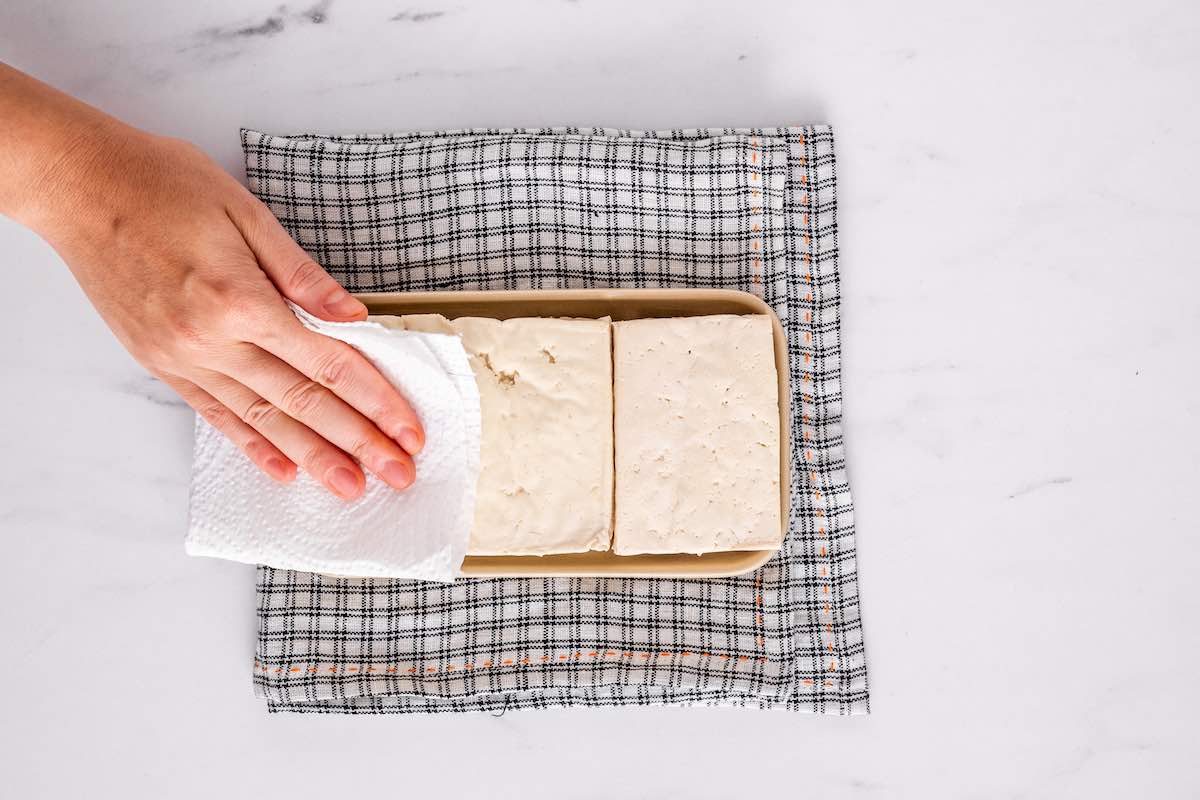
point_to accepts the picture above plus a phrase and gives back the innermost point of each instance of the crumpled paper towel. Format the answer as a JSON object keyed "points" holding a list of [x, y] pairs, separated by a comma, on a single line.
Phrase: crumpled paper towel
{"points": [[239, 513]]}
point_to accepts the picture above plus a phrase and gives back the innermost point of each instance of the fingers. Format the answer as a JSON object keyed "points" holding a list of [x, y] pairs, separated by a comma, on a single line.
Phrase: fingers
{"points": [[265, 455], [347, 373], [294, 273], [320, 459], [334, 365], [314, 405]]}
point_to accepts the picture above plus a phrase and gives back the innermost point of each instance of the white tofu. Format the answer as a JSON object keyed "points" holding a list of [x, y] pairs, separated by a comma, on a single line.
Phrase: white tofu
{"points": [[697, 435], [546, 467]]}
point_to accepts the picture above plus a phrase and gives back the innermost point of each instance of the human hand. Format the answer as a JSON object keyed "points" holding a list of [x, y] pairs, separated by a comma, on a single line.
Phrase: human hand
{"points": [[190, 271]]}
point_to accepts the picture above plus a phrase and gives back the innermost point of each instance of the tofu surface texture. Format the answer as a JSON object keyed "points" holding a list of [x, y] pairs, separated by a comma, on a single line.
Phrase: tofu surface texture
{"points": [[697, 435], [546, 465]]}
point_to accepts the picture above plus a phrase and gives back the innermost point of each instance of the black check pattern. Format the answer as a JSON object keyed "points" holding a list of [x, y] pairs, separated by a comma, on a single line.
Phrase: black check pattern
{"points": [[573, 208]]}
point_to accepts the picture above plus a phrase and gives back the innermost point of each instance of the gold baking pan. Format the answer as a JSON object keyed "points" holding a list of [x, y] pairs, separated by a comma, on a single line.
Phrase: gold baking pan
{"points": [[620, 304]]}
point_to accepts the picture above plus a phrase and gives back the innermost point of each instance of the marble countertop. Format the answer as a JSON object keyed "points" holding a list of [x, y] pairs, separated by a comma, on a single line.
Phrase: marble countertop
{"points": [[1018, 247]]}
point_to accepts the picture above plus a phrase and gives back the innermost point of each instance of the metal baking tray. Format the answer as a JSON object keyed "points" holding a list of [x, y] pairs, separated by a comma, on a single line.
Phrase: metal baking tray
{"points": [[620, 304]]}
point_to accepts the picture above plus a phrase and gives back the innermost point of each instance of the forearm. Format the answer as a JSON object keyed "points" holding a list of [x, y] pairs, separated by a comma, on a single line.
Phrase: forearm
{"points": [[45, 138]]}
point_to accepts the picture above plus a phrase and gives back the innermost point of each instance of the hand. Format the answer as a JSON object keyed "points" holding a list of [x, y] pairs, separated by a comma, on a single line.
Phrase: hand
{"points": [[190, 271]]}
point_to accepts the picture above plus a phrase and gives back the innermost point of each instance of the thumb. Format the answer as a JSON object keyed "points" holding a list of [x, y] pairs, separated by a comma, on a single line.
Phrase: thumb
{"points": [[295, 274]]}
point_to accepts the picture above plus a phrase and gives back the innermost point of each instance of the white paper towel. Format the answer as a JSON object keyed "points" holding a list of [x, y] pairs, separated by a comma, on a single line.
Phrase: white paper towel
{"points": [[239, 513]]}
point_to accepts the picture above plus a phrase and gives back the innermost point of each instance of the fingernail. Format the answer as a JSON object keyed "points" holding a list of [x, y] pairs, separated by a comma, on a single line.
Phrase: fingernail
{"points": [[410, 441], [341, 304], [343, 482], [277, 469], [396, 474]]}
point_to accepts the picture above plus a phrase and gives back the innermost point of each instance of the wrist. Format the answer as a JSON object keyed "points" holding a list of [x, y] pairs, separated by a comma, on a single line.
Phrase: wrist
{"points": [[52, 148], [60, 186]]}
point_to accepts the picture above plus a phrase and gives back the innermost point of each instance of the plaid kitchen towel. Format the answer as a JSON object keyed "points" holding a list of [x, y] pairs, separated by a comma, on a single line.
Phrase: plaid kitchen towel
{"points": [[576, 208]]}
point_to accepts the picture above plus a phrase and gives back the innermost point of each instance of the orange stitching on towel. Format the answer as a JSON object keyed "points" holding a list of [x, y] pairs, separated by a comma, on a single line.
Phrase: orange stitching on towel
{"points": [[756, 272], [810, 278]]}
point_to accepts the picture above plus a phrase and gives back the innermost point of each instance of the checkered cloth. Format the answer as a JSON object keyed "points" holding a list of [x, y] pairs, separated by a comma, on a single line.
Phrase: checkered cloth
{"points": [[572, 208]]}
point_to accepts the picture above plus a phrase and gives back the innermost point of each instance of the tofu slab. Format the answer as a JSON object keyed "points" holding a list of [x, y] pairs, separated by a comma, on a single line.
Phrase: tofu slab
{"points": [[546, 466], [697, 435]]}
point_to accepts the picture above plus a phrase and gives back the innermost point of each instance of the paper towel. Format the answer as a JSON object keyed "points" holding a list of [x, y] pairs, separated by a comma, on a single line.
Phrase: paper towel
{"points": [[239, 513]]}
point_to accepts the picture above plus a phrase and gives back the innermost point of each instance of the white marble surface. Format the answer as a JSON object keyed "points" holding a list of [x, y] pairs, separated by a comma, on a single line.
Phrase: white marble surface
{"points": [[1022, 311]]}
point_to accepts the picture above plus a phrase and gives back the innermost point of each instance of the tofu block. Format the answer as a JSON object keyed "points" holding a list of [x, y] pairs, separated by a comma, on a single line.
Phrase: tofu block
{"points": [[546, 464], [697, 435]]}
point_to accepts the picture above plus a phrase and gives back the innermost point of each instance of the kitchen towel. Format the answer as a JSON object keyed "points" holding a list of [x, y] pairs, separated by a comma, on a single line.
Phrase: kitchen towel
{"points": [[239, 513], [750, 209]]}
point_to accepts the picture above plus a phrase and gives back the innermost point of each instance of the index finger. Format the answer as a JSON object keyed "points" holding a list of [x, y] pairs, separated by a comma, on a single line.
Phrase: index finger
{"points": [[347, 373]]}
